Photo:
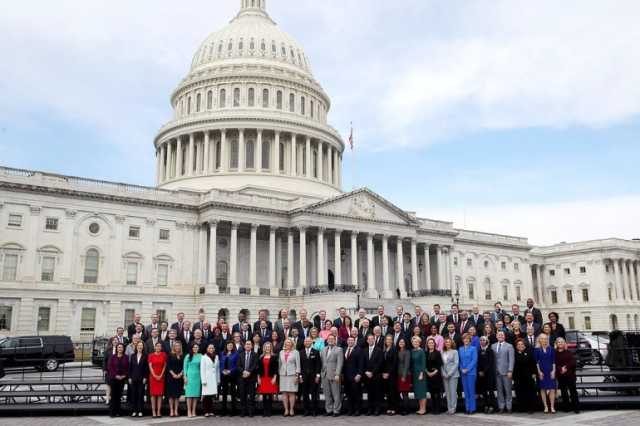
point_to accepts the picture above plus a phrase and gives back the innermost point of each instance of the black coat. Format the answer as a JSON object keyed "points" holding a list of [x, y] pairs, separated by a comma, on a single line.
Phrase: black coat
{"points": [[273, 366], [252, 367], [524, 368], [373, 364], [434, 363], [353, 365], [486, 366], [138, 371], [390, 363], [309, 366]]}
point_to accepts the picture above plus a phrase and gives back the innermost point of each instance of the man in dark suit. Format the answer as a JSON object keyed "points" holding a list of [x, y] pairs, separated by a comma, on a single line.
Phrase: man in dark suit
{"points": [[476, 317], [164, 330], [262, 316], [372, 370], [248, 366], [377, 319], [436, 313], [530, 322], [453, 334], [298, 341], [516, 315], [399, 314], [406, 325], [417, 310], [171, 340], [150, 344], [360, 341], [131, 329], [378, 338], [186, 336], [242, 318], [441, 323], [303, 325], [454, 316], [365, 331], [207, 334], [530, 339], [385, 327], [264, 331], [177, 326], [465, 323], [319, 320], [397, 334], [200, 323], [353, 370], [198, 340], [362, 315], [121, 337], [245, 331], [537, 314], [497, 313], [310, 367], [342, 313], [155, 324]]}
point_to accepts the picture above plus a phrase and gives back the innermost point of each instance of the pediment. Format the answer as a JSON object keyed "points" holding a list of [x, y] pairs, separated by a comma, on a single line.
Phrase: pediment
{"points": [[362, 204]]}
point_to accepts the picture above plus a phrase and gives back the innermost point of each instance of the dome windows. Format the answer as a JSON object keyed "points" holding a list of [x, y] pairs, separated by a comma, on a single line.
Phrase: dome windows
{"points": [[220, 49], [266, 154], [292, 102], [263, 46], [223, 98], [265, 98], [279, 99], [311, 108], [293, 56], [302, 105], [273, 48], [198, 101], [189, 105], [230, 47], [284, 51], [233, 158], [241, 46], [249, 162], [252, 45], [209, 99], [251, 97], [236, 97]]}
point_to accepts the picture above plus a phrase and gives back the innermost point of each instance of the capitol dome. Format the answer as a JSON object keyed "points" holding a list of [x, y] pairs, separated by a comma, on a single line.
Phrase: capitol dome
{"points": [[250, 114]]}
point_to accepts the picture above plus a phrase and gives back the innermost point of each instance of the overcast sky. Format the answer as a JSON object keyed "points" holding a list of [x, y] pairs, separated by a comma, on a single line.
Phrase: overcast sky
{"points": [[513, 117]]}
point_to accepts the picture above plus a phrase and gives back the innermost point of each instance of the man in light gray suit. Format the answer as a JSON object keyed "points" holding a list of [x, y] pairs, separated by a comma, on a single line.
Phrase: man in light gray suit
{"points": [[332, 360], [505, 359]]}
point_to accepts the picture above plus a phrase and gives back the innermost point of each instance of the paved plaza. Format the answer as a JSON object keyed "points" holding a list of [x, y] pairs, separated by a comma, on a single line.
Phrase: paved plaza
{"points": [[591, 418]]}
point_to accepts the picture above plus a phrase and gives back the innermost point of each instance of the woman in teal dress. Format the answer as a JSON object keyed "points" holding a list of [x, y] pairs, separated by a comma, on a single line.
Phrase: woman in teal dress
{"points": [[192, 381], [418, 367]]}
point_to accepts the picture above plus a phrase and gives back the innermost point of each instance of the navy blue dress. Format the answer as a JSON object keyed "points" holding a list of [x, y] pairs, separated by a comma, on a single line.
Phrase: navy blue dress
{"points": [[545, 361]]}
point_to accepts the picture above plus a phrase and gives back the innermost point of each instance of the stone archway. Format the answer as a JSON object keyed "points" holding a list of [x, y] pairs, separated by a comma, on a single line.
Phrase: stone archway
{"points": [[331, 280]]}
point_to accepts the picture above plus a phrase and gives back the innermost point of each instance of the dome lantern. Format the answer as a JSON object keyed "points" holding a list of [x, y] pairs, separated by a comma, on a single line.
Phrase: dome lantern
{"points": [[253, 7]]}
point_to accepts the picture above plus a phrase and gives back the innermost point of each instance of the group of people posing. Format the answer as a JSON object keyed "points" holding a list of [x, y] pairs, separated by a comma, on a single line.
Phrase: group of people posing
{"points": [[480, 358]]}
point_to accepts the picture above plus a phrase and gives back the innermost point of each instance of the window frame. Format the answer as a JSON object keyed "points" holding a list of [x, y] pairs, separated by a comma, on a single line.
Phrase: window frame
{"points": [[54, 220]]}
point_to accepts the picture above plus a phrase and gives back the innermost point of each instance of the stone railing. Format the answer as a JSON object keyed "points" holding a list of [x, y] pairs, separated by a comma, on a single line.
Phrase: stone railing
{"points": [[439, 225], [432, 292], [325, 289], [485, 237], [609, 243]]}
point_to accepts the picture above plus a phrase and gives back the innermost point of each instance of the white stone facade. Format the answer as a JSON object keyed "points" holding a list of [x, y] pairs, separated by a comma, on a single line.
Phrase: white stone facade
{"points": [[249, 213]]}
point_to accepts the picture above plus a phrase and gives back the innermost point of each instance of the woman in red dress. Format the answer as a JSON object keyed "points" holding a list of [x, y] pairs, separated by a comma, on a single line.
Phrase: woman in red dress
{"points": [[267, 377], [157, 367]]}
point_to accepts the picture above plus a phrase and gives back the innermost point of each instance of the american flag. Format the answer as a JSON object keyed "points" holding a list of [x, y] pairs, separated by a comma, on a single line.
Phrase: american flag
{"points": [[351, 137]]}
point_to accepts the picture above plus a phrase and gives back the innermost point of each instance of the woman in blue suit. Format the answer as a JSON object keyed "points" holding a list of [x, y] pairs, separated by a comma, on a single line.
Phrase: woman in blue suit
{"points": [[468, 368], [229, 369]]}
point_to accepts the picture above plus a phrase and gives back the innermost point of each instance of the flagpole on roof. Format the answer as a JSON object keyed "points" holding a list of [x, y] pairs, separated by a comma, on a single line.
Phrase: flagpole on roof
{"points": [[353, 157]]}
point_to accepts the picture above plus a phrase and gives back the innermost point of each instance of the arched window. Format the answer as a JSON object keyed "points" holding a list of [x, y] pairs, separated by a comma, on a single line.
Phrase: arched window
{"points": [[189, 105], [281, 157], [252, 45], [614, 321], [263, 46], [236, 97], [209, 99], [279, 99], [487, 289], [265, 98], [91, 265], [230, 47], [292, 102], [233, 159], [302, 105], [218, 150], [284, 51], [273, 48], [249, 162], [222, 270], [266, 154], [241, 45], [252, 96], [198, 101], [223, 98]]}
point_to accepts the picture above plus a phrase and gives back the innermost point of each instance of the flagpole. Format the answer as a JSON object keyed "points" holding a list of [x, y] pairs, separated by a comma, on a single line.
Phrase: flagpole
{"points": [[353, 159]]}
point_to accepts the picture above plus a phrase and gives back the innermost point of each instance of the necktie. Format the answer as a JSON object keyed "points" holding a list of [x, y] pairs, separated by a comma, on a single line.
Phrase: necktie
{"points": [[348, 353], [308, 352], [499, 346], [246, 363]]}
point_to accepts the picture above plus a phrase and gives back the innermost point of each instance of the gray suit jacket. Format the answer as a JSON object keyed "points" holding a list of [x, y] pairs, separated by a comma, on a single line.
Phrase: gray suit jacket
{"points": [[505, 359], [331, 364], [291, 367]]}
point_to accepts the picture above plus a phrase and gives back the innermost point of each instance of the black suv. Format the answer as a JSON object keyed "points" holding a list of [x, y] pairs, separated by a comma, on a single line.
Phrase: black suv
{"points": [[42, 352]]}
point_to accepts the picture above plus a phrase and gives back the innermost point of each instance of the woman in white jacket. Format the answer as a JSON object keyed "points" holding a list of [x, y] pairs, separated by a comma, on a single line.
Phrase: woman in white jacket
{"points": [[210, 377]]}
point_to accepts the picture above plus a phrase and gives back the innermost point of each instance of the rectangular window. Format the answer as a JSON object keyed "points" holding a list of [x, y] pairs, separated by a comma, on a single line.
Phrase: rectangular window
{"points": [[572, 322], [134, 232], [518, 294], [163, 275], [164, 235], [606, 268], [552, 272], [569, 296], [583, 269], [15, 220], [88, 320], [132, 273], [44, 316], [554, 296], [587, 323], [471, 292], [469, 262], [610, 294], [51, 224], [516, 266], [585, 294], [10, 267], [48, 268], [567, 271], [5, 317], [505, 292], [162, 315], [129, 315], [455, 261], [487, 294], [503, 266]]}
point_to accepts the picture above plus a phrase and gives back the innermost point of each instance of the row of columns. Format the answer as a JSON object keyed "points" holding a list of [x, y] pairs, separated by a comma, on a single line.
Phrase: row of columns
{"points": [[198, 157], [321, 279], [627, 278]]}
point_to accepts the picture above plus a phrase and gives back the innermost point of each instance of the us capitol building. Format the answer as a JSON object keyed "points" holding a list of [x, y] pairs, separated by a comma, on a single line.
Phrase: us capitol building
{"points": [[248, 212]]}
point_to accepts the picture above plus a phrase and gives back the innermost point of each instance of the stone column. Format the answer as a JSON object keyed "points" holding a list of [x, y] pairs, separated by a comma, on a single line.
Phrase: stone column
{"points": [[158, 166], [427, 268], [616, 274], [241, 151], [252, 258], [257, 162], [162, 168], [400, 268], [272, 259], [276, 153], [386, 290], [224, 159], [213, 237], [635, 273], [354, 259], [205, 162], [293, 171], [337, 257], [440, 261], [307, 158], [448, 277], [626, 267], [335, 167], [372, 292], [233, 259], [303, 258], [414, 266], [540, 292], [202, 256], [319, 160], [290, 267], [190, 155], [167, 162], [179, 157], [320, 258]]}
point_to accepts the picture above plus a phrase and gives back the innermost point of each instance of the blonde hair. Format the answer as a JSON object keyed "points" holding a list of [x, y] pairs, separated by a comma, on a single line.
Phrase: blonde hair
{"points": [[539, 338], [560, 340]]}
